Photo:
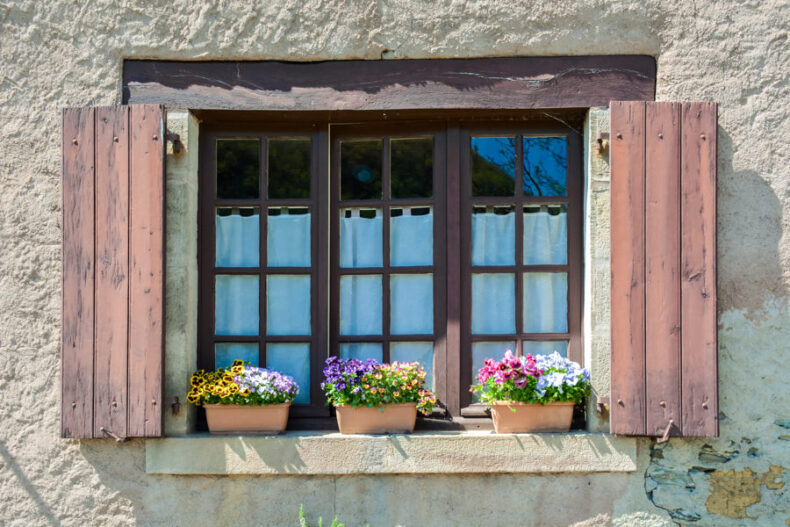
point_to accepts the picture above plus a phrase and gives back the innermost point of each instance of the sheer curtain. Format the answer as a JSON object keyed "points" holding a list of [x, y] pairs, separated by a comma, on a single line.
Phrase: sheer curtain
{"points": [[545, 238], [238, 240], [411, 239], [288, 242], [360, 240], [493, 238]]}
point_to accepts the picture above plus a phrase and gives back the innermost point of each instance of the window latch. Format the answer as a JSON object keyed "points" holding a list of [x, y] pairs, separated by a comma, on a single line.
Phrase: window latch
{"points": [[118, 439], [665, 436]]}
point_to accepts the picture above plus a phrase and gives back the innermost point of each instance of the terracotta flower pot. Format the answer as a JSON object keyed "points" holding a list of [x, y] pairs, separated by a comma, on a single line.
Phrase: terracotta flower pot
{"points": [[230, 418], [518, 418], [388, 419]]}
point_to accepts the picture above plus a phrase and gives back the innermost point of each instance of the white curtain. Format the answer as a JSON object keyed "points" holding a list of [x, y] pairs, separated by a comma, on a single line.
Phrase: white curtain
{"points": [[545, 302], [411, 239], [291, 359], [288, 305], [493, 238], [360, 305], [360, 240], [411, 304], [238, 241], [361, 350], [288, 242], [493, 303], [545, 238], [236, 305], [545, 347]]}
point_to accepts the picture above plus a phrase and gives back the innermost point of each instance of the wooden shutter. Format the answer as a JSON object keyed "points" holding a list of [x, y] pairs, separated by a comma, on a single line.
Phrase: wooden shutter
{"points": [[663, 265], [113, 271]]}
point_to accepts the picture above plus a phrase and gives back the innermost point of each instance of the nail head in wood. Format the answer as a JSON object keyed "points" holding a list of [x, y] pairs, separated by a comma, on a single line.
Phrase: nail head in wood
{"points": [[74, 141]]}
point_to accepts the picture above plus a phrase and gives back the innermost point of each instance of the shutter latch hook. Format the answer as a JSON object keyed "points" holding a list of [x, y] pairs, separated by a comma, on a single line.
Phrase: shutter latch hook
{"points": [[665, 436]]}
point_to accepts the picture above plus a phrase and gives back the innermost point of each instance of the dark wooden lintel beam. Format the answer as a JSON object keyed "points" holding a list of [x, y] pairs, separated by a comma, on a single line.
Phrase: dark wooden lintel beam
{"points": [[488, 83]]}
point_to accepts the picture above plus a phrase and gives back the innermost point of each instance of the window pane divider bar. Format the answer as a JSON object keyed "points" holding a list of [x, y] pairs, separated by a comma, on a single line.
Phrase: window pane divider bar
{"points": [[387, 270], [520, 268], [523, 336]]}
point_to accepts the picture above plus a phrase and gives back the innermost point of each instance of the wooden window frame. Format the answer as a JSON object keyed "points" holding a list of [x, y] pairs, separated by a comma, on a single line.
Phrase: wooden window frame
{"points": [[575, 259], [452, 243]]}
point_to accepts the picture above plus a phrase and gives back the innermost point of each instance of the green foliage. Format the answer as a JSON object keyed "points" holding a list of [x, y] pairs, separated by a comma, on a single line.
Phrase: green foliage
{"points": [[303, 520]]}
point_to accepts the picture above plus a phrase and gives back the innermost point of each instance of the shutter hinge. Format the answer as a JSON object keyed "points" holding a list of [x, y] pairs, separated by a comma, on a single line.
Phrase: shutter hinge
{"points": [[175, 405], [601, 404], [176, 140], [602, 143]]}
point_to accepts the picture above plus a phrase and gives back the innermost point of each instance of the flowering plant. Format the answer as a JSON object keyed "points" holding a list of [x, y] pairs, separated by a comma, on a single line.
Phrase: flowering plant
{"points": [[241, 384], [356, 383], [540, 379]]}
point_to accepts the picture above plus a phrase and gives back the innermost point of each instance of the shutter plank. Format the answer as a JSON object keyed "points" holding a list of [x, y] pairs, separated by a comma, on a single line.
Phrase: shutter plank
{"points": [[662, 272], [112, 270], [78, 271], [628, 267], [146, 289], [698, 269]]}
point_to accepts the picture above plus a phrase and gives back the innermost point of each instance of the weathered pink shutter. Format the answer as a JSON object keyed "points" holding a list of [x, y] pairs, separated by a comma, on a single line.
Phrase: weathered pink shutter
{"points": [[113, 271], [663, 265]]}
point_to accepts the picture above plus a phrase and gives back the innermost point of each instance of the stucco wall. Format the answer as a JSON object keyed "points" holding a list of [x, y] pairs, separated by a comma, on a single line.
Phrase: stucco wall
{"points": [[58, 53]]}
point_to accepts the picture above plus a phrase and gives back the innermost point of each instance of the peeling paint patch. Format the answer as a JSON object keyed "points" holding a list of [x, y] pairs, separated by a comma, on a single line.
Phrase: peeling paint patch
{"points": [[733, 491]]}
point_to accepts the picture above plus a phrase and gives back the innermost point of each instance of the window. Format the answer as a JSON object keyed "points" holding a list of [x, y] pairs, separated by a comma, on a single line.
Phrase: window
{"points": [[327, 238]]}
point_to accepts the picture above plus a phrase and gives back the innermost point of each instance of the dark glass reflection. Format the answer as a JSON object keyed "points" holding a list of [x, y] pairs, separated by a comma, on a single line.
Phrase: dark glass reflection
{"points": [[493, 166], [411, 167], [238, 168], [545, 166], [360, 169], [289, 168]]}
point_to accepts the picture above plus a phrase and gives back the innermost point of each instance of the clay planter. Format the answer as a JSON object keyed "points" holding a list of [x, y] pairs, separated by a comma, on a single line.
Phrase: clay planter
{"points": [[231, 418], [531, 418], [387, 419]]}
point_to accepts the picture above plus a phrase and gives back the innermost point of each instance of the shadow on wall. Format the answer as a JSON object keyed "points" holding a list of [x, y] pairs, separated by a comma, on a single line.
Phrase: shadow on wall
{"points": [[9, 462], [749, 229]]}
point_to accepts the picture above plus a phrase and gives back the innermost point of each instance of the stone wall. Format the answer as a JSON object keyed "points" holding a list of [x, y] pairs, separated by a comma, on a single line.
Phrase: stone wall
{"points": [[57, 53]]}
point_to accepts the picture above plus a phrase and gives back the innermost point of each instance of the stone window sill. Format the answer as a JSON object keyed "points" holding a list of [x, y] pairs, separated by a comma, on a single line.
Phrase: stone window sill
{"points": [[330, 453]]}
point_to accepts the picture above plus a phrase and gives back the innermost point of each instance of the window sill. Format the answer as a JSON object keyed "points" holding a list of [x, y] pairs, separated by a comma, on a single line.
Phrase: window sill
{"points": [[330, 453]]}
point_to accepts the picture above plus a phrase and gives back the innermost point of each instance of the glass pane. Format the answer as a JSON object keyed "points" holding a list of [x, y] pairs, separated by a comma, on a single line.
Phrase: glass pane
{"points": [[360, 169], [546, 235], [411, 167], [493, 303], [238, 168], [360, 238], [411, 236], [411, 304], [289, 168], [288, 305], [487, 350], [421, 352], [545, 347], [226, 352], [545, 166], [238, 236], [545, 302], [493, 235], [294, 360], [236, 305], [288, 237], [361, 350], [493, 166], [360, 305]]}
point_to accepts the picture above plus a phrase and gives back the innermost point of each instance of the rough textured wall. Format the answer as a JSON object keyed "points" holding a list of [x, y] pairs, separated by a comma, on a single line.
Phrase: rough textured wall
{"points": [[59, 53]]}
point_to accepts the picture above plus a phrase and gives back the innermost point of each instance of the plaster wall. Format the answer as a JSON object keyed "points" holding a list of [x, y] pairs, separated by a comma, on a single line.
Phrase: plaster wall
{"points": [[60, 53]]}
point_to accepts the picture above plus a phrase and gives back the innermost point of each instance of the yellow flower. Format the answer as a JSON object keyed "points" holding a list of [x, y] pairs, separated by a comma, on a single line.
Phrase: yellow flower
{"points": [[396, 394], [234, 388], [245, 392], [227, 377], [373, 390], [238, 362]]}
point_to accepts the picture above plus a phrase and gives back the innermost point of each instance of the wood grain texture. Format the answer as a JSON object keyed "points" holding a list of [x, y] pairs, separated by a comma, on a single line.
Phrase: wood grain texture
{"points": [[662, 266], [627, 267], [78, 271], [490, 83], [147, 270], [112, 270], [453, 374], [698, 269]]}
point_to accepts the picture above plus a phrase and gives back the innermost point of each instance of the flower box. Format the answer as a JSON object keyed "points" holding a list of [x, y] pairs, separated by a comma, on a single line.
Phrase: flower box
{"points": [[230, 418], [532, 394], [243, 398], [523, 418], [386, 419], [374, 398]]}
